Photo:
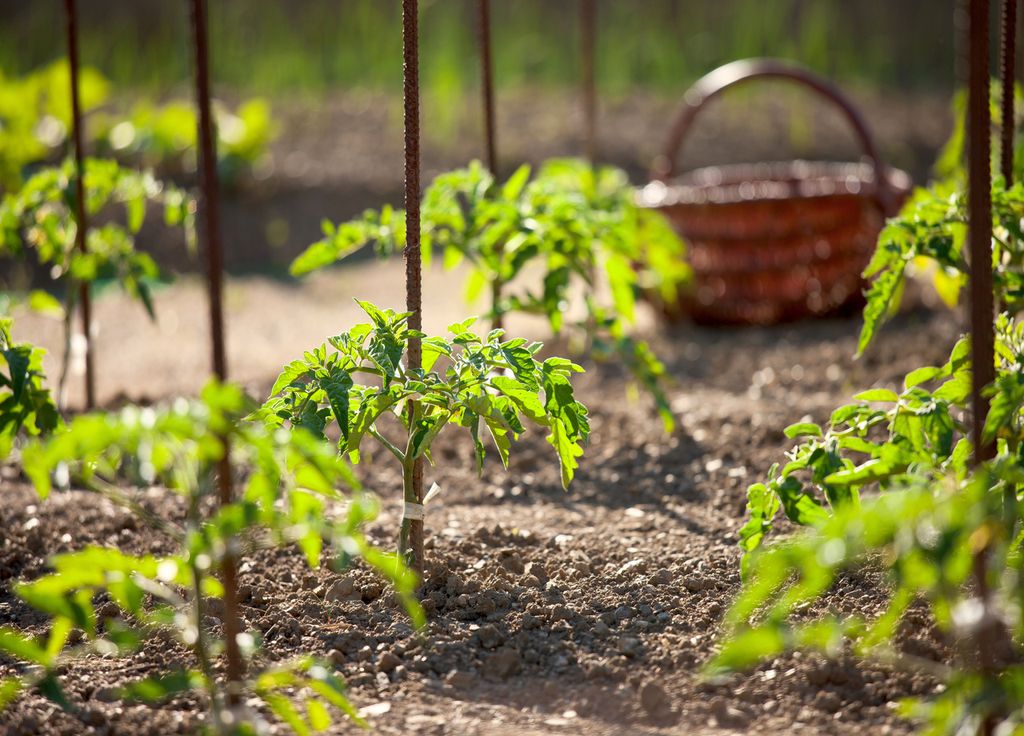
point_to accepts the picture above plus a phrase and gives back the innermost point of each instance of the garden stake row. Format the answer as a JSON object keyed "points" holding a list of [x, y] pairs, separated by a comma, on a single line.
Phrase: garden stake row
{"points": [[209, 206], [81, 221], [411, 540], [1009, 68], [588, 30]]}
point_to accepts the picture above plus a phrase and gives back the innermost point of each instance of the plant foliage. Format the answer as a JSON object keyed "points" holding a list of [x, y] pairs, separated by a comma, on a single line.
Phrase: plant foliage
{"points": [[535, 243], [290, 478], [41, 217], [483, 384], [889, 482], [25, 404], [36, 114]]}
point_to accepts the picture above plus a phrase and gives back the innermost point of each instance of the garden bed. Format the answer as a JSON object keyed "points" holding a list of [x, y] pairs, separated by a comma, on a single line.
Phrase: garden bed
{"points": [[587, 612]]}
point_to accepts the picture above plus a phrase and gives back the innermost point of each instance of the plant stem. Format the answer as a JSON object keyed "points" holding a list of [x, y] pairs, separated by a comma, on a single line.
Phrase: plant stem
{"points": [[229, 579], [200, 648], [65, 363], [387, 443], [498, 318], [409, 496]]}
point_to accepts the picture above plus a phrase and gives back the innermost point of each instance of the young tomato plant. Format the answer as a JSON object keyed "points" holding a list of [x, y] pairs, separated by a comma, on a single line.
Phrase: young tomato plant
{"points": [[40, 217], [889, 483], [25, 404], [534, 245], [872, 443], [923, 535], [481, 384], [289, 478]]}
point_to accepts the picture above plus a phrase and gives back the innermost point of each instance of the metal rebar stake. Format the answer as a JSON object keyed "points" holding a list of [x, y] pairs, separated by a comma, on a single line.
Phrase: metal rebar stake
{"points": [[413, 264], [81, 217], [979, 202], [588, 32], [209, 208], [209, 204], [981, 299], [487, 84], [1009, 76]]}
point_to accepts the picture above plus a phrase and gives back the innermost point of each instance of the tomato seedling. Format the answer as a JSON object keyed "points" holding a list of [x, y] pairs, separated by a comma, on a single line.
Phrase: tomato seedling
{"points": [[291, 476], [537, 244], [484, 384]]}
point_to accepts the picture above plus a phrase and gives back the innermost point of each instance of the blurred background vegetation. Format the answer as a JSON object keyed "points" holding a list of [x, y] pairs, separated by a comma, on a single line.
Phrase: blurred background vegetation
{"points": [[278, 47], [310, 91]]}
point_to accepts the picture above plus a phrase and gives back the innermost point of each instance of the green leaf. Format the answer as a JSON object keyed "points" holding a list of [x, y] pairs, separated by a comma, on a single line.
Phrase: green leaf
{"points": [[802, 429], [744, 650], [10, 688], [289, 715], [158, 688], [337, 386], [528, 402], [47, 304], [877, 394], [319, 718], [50, 689], [800, 507], [18, 360], [23, 648], [921, 375], [515, 184], [880, 298]]}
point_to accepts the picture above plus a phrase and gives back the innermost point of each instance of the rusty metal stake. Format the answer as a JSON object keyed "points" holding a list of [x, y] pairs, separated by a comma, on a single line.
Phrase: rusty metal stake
{"points": [[979, 202], [487, 83], [209, 208], [588, 29], [81, 217], [209, 203], [412, 529], [979, 234], [490, 129], [1009, 69]]}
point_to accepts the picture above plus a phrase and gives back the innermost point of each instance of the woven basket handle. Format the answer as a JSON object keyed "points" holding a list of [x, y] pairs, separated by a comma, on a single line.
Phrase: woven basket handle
{"points": [[714, 83]]}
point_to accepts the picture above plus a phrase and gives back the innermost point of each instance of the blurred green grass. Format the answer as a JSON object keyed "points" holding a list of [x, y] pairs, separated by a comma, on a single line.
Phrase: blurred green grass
{"points": [[288, 47]]}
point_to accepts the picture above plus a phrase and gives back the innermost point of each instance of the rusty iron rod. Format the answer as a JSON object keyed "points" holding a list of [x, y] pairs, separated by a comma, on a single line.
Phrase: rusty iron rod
{"points": [[979, 199], [1009, 69], [588, 33], [981, 298], [81, 217], [209, 209], [413, 528], [209, 195], [490, 129], [487, 84]]}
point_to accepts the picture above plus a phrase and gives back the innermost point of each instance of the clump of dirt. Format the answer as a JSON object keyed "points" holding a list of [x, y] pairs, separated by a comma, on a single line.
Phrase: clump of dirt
{"points": [[587, 612]]}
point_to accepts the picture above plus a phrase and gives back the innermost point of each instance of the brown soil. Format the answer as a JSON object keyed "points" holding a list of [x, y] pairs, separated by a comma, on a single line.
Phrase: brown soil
{"points": [[587, 612]]}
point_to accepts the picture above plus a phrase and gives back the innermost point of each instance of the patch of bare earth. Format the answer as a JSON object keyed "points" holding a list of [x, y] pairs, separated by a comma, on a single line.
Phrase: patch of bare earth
{"points": [[550, 613]]}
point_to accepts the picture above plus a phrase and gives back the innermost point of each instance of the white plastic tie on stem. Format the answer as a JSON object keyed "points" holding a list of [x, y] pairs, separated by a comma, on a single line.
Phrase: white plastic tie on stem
{"points": [[414, 511], [418, 511], [434, 490]]}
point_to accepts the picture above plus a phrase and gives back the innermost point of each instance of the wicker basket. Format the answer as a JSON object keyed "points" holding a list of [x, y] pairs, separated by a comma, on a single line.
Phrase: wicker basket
{"points": [[773, 242]]}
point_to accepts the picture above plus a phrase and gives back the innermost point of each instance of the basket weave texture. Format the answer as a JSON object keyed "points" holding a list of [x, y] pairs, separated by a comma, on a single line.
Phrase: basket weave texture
{"points": [[773, 242]]}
